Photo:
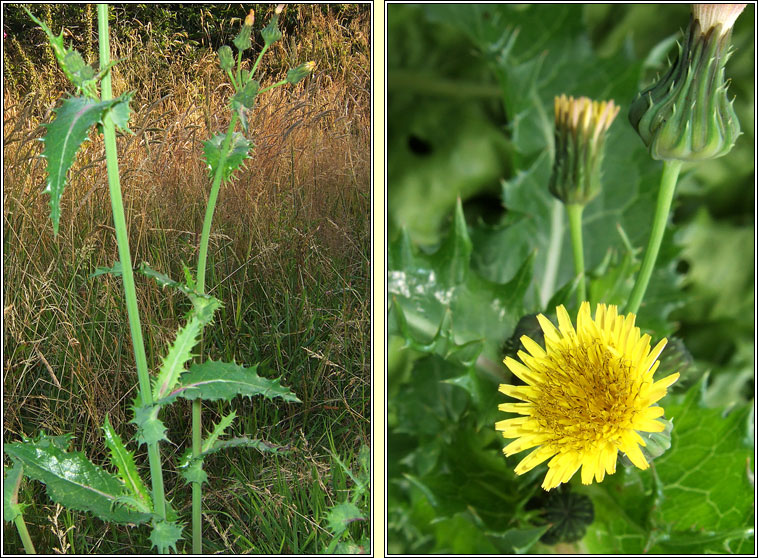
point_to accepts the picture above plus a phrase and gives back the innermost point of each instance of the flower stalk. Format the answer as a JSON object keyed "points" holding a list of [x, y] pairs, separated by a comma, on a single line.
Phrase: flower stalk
{"points": [[580, 128], [662, 208], [686, 116]]}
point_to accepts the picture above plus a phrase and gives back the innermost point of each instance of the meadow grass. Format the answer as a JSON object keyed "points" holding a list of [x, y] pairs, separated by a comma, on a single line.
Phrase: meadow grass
{"points": [[289, 258]]}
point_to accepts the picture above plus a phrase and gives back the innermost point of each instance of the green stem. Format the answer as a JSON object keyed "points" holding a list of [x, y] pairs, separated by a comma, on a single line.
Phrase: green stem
{"points": [[234, 81], [574, 211], [665, 196], [258, 60], [24, 534], [122, 238], [215, 187], [277, 84], [202, 259], [197, 488]]}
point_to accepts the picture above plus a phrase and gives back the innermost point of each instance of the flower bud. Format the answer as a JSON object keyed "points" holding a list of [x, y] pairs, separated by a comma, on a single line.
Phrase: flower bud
{"points": [[226, 58], [297, 74], [242, 40], [271, 32], [686, 115], [580, 126]]}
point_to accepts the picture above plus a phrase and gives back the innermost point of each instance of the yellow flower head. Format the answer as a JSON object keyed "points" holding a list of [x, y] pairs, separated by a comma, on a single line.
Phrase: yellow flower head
{"points": [[587, 394]]}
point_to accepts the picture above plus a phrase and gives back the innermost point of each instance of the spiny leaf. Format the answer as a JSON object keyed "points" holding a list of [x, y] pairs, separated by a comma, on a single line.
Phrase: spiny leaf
{"points": [[341, 516], [218, 430], [116, 271], [70, 61], [123, 460], [72, 480], [244, 100], [165, 535], [121, 112], [238, 151], [213, 380], [64, 136], [433, 296], [150, 429], [181, 350], [11, 483], [443, 343], [191, 467], [453, 258], [199, 300]]}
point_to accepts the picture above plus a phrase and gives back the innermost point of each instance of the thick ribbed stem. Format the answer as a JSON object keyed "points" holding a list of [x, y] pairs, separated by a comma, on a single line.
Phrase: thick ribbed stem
{"points": [[122, 238]]}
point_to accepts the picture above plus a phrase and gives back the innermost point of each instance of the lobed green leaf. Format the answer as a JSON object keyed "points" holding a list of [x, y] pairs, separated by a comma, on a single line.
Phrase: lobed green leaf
{"points": [[218, 430], [181, 349], [65, 135], [239, 150], [341, 516], [202, 303], [244, 100], [150, 429], [213, 380], [191, 467], [73, 481], [433, 294]]}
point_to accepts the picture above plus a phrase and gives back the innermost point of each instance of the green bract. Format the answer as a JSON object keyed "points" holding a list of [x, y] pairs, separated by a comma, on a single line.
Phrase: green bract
{"points": [[686, 115], [242, 40], [580, 127], [297, 74], [271, 32]]}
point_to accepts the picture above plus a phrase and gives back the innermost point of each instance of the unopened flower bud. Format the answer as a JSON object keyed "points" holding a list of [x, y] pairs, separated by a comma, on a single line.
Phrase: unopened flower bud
{"points": [[271, 32], [686, 115], [297, 74], [580, 127], [226, 58], [242, 40]]}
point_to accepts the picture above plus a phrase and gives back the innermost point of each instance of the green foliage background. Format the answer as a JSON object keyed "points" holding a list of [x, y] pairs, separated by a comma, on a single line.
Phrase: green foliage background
{"points": [[470, 117]]}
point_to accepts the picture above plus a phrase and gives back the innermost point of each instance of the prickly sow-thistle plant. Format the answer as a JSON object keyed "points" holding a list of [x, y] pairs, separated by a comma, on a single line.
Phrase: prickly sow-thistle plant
{"points": [[72, 480]]}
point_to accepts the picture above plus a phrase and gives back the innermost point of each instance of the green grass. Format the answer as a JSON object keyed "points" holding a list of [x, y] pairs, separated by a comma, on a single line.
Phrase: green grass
{"points": [[289, 258]]}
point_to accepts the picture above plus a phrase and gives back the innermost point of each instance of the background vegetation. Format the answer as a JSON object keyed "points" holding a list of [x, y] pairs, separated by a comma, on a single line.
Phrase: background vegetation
{"points": [[289, 258], [470, 115]]}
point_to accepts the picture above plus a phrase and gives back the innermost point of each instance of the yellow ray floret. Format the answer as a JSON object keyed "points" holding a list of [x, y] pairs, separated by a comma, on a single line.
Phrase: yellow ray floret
{"points": [[588, 394]]}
